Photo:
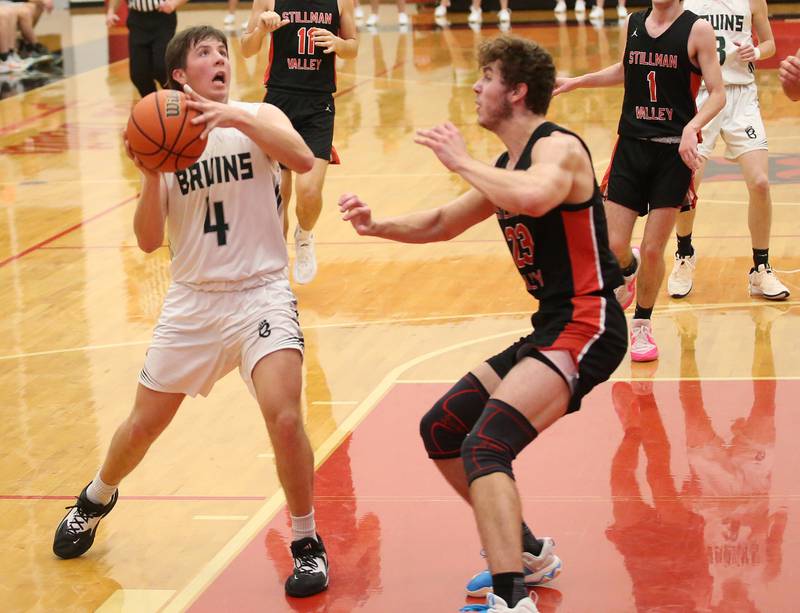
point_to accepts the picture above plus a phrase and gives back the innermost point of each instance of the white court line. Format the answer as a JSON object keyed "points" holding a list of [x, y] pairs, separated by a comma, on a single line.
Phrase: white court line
{"points": [[186, 596], [714, 201], [335, 402], [221, 517], [669, 308], [268, 454]]}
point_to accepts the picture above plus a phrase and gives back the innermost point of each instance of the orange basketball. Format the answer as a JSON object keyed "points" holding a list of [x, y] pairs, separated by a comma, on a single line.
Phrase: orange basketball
{"points": [[161, 134]]}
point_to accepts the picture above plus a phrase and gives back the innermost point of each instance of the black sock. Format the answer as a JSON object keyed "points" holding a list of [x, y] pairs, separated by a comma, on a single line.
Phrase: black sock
{"points": [[4, 56], [630, 268], [685, 248], [510, 587], [529, 542], [642, 313], [760, 256]]}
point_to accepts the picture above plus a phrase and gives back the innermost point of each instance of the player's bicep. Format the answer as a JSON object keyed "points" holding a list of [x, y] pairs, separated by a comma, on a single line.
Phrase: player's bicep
{"points": [[761, 21], [705, 44], [552, 172], [274, 117]]}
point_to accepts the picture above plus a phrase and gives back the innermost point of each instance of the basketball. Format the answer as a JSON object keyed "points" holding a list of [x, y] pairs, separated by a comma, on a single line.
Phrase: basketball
{"points": [[161, 134]]}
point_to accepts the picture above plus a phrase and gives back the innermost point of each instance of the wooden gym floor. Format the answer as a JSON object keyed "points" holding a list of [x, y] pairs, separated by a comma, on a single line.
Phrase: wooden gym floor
{"points": [[673, 489]]}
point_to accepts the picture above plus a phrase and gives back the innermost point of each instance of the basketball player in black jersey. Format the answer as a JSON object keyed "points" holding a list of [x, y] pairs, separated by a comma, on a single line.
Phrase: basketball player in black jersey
{"points": [[666, 53], [543, 193], [306, 36]]}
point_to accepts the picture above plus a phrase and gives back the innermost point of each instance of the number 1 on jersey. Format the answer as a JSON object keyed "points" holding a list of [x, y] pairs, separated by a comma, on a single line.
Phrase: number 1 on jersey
{"points": [[651, 81], [305, 40]]}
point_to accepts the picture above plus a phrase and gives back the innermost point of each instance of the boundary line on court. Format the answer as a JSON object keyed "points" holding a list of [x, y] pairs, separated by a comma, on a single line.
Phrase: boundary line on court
{"points": [[66, 231]]}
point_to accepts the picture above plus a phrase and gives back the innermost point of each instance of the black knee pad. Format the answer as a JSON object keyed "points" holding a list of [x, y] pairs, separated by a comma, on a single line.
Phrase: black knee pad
{"points": [[444, 427], [495, 441]]}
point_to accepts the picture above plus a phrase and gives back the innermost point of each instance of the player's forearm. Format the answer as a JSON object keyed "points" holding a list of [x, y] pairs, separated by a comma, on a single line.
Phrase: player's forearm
{"points": [[421, 227], [611, 75], [148, 220], [347, 48], [282, 144], [711, 107], [252, 41], [112, 6], [766, 49]]}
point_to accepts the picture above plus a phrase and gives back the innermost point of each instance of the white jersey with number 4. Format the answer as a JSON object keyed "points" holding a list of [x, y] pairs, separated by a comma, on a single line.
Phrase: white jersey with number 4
{"points": [[223, 220], [732, 21]]}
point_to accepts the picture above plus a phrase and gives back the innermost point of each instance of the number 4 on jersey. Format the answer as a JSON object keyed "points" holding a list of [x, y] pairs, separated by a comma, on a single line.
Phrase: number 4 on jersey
{"points": [[221, 228]]}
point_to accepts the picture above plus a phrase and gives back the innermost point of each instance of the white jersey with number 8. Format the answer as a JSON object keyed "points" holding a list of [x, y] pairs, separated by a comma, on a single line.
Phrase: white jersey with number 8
{"points": [[732, 22], [223, 216]]}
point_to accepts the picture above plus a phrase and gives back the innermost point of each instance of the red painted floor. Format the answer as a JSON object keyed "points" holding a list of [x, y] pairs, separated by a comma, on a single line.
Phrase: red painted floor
{"points": [[666, 497]]}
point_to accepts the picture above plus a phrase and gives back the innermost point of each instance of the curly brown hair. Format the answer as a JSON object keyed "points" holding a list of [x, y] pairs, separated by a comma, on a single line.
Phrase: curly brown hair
{"points": [[180, 45], [522, 61]]}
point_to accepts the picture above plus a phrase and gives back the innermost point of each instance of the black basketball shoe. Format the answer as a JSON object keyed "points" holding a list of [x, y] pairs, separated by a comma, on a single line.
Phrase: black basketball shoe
{"points": [[75, 533], [310, 574]]}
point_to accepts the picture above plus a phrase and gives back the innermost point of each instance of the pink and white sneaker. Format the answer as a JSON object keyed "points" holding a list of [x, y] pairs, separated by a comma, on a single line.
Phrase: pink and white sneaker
{"points": [[626, 292], [643, 346]]}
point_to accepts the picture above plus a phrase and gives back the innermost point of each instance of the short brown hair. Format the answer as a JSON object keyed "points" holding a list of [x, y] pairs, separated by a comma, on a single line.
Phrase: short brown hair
{"points": [[522, 61], [180, 45]]}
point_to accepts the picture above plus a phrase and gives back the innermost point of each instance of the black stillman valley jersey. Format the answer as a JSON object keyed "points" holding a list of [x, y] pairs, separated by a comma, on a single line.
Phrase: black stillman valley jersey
{"points": [[564, 253], [661, 82], [295, 64]]}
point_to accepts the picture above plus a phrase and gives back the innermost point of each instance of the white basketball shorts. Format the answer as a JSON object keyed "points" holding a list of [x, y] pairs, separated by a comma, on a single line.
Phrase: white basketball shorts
{"points": [[739, 123], [201, 336]]}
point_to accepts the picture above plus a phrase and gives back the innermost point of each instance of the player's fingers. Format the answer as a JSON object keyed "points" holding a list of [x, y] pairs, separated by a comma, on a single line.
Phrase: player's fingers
{"points": [[191, 93], [348, 201]]}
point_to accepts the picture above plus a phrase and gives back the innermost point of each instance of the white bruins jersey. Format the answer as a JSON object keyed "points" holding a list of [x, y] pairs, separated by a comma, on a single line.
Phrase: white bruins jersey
{"points": [[733, 23], [223, 217]]}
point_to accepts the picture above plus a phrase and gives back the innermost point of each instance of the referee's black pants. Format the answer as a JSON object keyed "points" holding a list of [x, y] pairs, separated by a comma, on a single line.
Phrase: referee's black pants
{"points": [[148, 35]]}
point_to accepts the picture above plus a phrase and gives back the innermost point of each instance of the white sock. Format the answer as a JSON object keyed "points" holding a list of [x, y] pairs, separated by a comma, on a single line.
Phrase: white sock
{"points": [[100, 492], [302, 234], [304, 527]]}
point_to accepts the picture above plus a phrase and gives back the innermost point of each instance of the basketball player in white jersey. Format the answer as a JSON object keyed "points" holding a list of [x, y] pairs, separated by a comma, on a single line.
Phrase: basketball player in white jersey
{"points": [[229, 304], [741, 128]]}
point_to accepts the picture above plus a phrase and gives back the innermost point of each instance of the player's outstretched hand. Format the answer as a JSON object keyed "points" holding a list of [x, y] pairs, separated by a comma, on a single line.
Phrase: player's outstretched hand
{"points": [[564, 85], [269, 21], [446, 142], [789, 75], [688, 149], [325, 39], [150, 174], [357, 213], [213, 114]]}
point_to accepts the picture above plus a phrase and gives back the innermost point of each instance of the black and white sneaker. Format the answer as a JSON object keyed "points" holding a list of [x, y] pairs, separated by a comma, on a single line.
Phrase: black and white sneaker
{"points": [[310, 574], [75, 533]]}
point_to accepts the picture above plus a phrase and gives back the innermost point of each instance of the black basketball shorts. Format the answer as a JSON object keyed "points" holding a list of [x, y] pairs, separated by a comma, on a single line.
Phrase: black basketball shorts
{"points": [[594, 332], [311, 115], [644, 175]]}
